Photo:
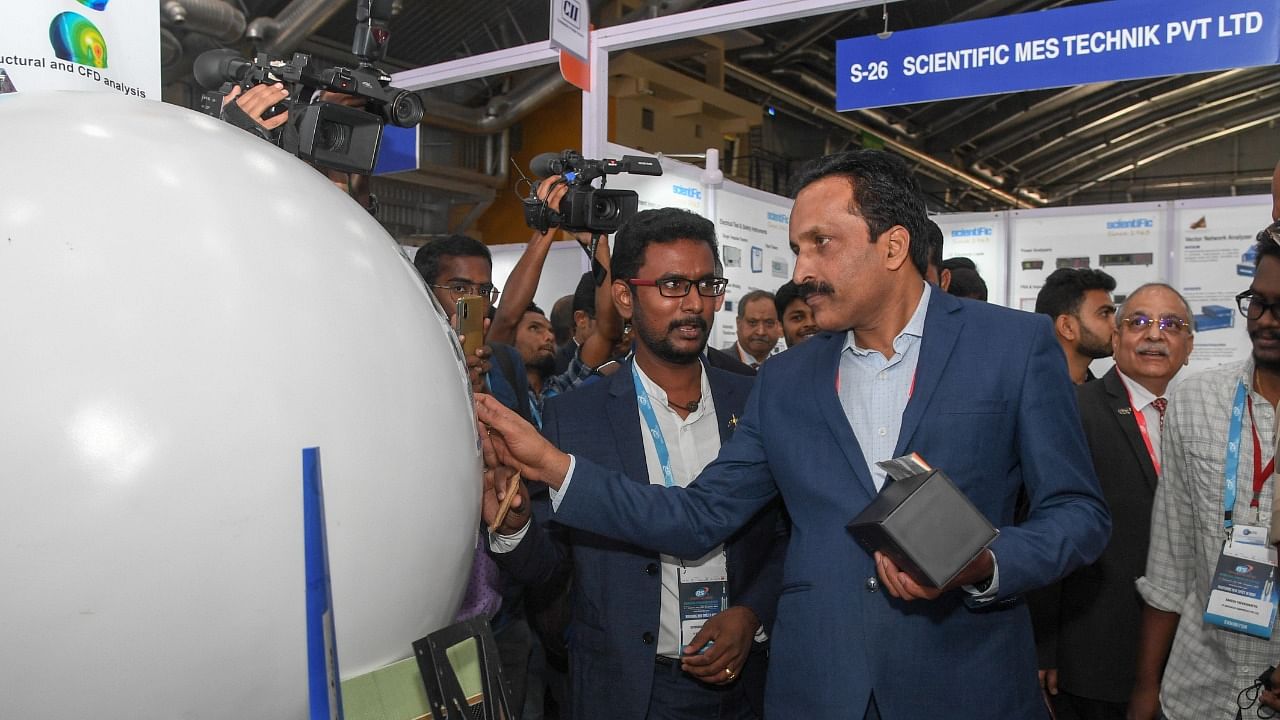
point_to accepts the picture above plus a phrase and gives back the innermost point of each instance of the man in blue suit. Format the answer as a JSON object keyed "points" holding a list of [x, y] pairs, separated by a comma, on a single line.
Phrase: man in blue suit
{"points": [[655, 636], [978, 391]]}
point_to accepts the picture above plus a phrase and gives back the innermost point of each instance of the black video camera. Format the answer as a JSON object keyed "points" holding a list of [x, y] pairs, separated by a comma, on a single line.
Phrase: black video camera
{"points": [[328, 134], [586, 208]]}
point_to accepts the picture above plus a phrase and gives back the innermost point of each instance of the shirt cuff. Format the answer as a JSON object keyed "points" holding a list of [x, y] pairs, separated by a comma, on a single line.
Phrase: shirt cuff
{"points": [[564, 486], [978, 597], [506, 543], [1159, 597]]}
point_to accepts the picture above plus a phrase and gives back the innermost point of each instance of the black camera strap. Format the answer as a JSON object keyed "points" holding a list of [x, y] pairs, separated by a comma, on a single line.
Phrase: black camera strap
{"points": [[598, 271], [1253, 695]]}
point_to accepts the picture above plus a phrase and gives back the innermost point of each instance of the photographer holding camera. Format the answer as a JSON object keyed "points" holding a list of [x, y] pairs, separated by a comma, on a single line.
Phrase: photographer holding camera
{"points": [[522, 284], [248, 110], [331, 117]]}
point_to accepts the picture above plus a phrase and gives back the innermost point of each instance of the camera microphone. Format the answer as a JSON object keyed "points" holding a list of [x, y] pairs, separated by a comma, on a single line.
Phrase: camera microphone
{"points": [[212, 68]]}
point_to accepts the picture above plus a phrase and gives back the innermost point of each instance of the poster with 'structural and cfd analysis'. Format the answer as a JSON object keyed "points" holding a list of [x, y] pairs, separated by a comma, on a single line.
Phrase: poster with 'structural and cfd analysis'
{"points": [[109, 45]]}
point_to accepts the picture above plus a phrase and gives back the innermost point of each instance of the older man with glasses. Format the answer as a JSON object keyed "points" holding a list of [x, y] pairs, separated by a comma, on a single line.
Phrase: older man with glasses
{"points": [[1087, 624], [1204, 639]]}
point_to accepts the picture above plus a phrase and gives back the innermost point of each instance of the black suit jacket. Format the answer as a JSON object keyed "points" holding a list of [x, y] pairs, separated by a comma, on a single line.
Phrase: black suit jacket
{"points": [[725, 361], [1087, 624], [617, 586]]}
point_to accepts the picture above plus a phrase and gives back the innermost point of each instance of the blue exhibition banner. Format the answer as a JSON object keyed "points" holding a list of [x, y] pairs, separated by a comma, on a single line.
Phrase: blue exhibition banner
{"points": [[1119, 40]]}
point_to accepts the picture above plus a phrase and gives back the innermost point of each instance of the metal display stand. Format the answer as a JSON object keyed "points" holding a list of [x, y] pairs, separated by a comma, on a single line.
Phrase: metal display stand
{"points": [[444, 691]]}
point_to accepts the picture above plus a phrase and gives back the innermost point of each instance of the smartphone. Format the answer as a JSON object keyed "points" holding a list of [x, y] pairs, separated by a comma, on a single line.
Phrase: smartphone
{"points": [[468, 322]]}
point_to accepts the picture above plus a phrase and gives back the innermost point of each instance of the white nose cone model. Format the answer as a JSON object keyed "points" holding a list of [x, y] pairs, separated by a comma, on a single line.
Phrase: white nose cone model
{"points": [[183, 309]]}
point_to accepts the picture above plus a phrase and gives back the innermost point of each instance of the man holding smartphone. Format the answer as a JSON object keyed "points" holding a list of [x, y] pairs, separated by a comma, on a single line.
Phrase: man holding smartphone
{"points": [[459, 271]]}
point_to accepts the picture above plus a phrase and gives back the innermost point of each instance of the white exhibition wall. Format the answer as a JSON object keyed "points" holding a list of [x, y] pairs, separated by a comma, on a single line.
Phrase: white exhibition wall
{"points": [[564, 267], [1199, 246]]}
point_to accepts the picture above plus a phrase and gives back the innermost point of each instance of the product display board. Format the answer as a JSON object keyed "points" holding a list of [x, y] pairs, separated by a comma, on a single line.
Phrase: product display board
{"points": [[1214, 240], [752, 229], [983, 238], [1124, 241], [81, 45]]}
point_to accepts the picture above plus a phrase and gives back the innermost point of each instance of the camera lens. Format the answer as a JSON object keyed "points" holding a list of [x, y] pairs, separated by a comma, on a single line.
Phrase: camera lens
{"points": [[604, 208], [405, 110], [333, 137]]}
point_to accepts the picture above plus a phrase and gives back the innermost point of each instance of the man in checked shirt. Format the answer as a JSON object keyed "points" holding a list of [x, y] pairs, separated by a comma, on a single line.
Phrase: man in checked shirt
{"points": [[1207, 665]]}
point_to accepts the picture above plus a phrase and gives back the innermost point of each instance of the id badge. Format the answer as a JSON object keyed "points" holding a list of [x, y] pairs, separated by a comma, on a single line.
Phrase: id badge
{"points": [[704, 593], [1243, 593]]}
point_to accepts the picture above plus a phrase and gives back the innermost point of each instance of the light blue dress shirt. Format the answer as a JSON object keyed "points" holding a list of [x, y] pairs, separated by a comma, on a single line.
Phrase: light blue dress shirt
{"points": [[874, 390]]}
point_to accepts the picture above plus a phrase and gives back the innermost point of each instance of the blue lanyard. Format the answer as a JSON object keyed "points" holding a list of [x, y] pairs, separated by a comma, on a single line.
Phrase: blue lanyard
{"points": [[659, 442], [535, 409], [1233, 456]]}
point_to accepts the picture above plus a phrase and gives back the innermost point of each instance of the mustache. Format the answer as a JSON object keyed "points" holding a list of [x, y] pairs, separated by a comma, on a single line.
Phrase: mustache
{"points": [[805, 290], [1151, 347], [695, 321], [1264, 335]]}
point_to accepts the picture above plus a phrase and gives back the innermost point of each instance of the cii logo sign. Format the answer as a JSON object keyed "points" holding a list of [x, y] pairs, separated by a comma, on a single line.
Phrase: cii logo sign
{"points": [[570, 20], [571, 11]]}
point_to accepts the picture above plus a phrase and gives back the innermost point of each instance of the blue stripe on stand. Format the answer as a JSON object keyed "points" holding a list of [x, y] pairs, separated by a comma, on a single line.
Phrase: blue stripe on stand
{"points": [[324, 691]]}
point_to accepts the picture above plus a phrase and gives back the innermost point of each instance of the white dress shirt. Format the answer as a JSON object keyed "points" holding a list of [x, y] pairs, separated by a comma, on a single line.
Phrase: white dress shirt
{"points": [[692, 443], [1140, 399]]}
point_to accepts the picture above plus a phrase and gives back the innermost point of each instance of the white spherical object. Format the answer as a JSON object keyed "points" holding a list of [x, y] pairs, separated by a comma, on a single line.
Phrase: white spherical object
{"points": [[184, 309]]}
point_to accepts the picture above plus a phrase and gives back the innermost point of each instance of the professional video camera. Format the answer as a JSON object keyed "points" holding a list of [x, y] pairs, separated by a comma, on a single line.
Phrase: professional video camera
{"points": [[585, 208], [328, 134]]}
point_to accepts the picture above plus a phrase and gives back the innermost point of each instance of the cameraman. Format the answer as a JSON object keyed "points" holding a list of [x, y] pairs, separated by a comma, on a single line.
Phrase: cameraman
{"points": [[522, 284], [453, 267], [245, 109]]}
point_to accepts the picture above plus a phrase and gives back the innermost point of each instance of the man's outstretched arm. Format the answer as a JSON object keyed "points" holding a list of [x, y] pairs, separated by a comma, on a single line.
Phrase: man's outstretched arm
{"points": [[684, 522]]}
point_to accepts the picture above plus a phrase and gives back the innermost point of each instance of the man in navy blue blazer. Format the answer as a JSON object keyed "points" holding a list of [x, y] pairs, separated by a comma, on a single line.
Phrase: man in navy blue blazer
{"points": [[978, 391], [655, 636]]}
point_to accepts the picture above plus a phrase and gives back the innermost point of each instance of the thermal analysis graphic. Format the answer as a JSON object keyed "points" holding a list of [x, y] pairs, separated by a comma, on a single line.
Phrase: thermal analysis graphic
{"points": [[77, 40]]}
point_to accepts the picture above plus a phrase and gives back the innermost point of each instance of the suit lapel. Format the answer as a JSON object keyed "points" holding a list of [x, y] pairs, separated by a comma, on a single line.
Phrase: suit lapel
{"points": [[1122, 412], [728, 405], [942, 325], [828, 400], [624, 421]]}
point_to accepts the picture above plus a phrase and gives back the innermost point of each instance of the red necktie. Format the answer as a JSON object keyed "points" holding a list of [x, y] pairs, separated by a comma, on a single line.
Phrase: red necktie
{"points": [[1160, 404]]}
